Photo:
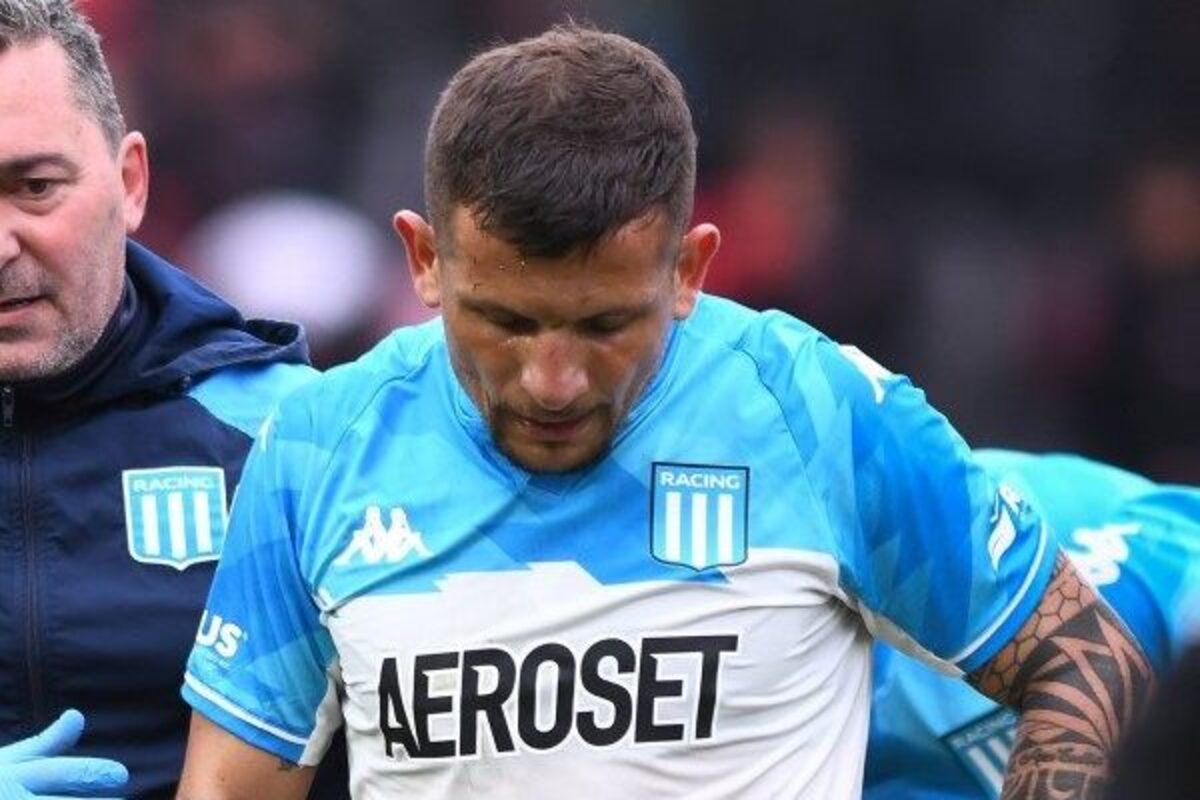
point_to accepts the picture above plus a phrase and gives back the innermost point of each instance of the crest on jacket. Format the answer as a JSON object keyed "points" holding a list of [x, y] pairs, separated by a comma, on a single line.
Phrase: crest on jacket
{"points": [[175, 515]]}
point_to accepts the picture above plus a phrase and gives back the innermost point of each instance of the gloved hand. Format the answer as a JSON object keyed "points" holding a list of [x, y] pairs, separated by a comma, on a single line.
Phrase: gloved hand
{"points": [[33, 769]]}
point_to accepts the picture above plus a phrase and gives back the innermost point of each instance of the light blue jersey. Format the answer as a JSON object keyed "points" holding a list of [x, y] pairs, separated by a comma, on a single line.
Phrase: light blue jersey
{"points": [[1137, 542], [688, 616]]}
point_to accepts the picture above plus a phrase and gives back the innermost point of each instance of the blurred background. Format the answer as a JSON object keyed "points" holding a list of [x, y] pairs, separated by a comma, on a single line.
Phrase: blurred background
{"points": [[1000, 200]]}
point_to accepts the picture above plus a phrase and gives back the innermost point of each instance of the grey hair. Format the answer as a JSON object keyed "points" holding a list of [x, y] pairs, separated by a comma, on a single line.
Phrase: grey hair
{"points": [[28, 21]]}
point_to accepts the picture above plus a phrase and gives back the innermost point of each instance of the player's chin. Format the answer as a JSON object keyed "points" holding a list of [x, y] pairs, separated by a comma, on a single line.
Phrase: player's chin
{"points": [[538, 455]]}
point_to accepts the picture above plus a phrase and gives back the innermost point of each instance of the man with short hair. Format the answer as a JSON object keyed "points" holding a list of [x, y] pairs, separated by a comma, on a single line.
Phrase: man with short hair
{"points": [[1135, 541], [128, 398], [594, 533]]}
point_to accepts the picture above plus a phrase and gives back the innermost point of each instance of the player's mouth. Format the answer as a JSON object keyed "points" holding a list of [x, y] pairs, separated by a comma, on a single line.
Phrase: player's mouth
{"points": [[554, 429]]}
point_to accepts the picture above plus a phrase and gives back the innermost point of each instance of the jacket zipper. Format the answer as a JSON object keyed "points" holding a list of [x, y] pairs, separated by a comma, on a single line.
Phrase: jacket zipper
{"points": [[8, 405], [33, 649], [33, 646], [8, 413]]}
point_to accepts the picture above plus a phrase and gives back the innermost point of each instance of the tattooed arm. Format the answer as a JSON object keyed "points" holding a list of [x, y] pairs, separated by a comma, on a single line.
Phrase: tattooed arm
{"points": [[1078, 678]]}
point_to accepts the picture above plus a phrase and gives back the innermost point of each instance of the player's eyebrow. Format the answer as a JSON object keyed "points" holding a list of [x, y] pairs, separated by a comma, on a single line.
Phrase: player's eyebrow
{"points": [[486, 306], [633, 310], [22, 165]]}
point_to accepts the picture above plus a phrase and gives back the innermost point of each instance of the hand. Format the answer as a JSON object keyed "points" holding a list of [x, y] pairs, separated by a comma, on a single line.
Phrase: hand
{"points": [[33, 769]]}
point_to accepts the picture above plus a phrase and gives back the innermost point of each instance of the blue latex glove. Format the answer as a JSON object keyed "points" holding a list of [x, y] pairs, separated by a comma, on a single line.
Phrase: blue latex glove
{"points": [[33, 769]]}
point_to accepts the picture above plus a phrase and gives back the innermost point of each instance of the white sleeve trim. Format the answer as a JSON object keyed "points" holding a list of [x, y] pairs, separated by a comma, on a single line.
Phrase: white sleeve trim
{"points": [[216, 699], [1012, 604]]}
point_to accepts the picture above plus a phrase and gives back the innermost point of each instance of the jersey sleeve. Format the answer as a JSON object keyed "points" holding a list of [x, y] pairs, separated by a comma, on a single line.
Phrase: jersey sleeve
{"points": [[940, 560], [1136, 542], [264, 666], [1145, 561]]}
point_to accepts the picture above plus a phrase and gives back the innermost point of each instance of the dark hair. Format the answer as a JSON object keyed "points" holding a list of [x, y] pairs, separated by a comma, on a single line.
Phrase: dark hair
{"points": [[554, 142], [27, 21]]}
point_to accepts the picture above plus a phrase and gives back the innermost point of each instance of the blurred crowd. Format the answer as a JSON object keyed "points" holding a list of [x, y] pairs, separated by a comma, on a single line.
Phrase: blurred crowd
{"points": [[1000, 200]]}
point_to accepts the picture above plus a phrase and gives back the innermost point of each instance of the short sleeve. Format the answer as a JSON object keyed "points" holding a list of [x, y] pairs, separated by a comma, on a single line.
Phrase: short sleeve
{"points": [[264, 666], [939, 559]]}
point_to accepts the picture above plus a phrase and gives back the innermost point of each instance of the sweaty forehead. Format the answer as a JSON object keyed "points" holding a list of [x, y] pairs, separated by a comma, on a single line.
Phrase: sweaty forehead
{"points": [[622, 271]]}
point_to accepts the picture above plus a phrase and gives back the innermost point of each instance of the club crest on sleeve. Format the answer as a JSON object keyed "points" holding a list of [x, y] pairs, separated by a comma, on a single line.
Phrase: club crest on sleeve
{"points": [[699, 514], [174, 515]]}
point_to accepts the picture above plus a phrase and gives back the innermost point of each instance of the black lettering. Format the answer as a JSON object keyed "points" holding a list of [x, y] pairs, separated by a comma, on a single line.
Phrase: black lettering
{"points": [[391, 706], [614, 693], [710, 667], [564, 699], [425, 706], [490, 704], [650, 688]]}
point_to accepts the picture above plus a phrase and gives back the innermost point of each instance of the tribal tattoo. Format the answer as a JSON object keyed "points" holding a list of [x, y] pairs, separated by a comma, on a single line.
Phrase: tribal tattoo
{"points": [[1078, 678]]}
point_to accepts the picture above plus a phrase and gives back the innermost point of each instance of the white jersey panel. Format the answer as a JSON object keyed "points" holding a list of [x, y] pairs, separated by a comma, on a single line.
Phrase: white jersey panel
{"points": [[788, 664]]}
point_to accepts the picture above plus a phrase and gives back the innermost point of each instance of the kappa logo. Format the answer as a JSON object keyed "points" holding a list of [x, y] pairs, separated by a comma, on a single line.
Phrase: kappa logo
{"points": [[373, 543], [1099, 552]]}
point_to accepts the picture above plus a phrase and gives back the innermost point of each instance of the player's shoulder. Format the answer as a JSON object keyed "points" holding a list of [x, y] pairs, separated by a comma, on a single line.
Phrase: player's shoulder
{"points": [[721, 322], [242, 395], [1173, 506], [794, 361], [325, 407]]}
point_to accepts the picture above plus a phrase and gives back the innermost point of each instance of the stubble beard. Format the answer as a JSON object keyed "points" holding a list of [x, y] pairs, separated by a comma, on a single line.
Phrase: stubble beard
{"points": [[75, 340]]}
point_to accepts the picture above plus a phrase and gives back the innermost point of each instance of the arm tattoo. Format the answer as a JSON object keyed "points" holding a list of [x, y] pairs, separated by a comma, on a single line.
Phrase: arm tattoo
{"points": [[287, 766], [1078, 678]]}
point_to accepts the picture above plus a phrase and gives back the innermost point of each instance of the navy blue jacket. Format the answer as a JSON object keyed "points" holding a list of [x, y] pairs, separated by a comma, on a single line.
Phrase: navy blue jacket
{"points": [[178, 379]]}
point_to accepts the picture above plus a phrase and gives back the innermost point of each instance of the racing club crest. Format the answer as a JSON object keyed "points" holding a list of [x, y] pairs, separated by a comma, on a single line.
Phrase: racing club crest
{"points": [[984, 746], [698, 514], [174, 515]]}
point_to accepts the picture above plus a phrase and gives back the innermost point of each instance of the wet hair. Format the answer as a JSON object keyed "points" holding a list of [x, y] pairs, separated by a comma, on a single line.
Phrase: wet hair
{"points": [[29, 21], [555, 142]]}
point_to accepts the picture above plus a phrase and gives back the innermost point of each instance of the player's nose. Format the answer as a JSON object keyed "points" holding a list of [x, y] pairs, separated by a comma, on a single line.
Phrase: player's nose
{"points": [[554, 374]]}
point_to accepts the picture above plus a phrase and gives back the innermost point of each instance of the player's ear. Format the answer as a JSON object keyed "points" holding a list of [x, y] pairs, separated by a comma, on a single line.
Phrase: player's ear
{"points": [[421, 246], [696, 252]]}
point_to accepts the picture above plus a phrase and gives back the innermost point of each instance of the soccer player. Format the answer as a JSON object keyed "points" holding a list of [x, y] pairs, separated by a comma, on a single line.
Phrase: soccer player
{"points": [[591, 532], [1137, 542]]}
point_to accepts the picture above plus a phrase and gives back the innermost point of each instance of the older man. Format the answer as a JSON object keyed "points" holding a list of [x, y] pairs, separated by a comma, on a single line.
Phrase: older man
{"points": [[128, 398]]}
